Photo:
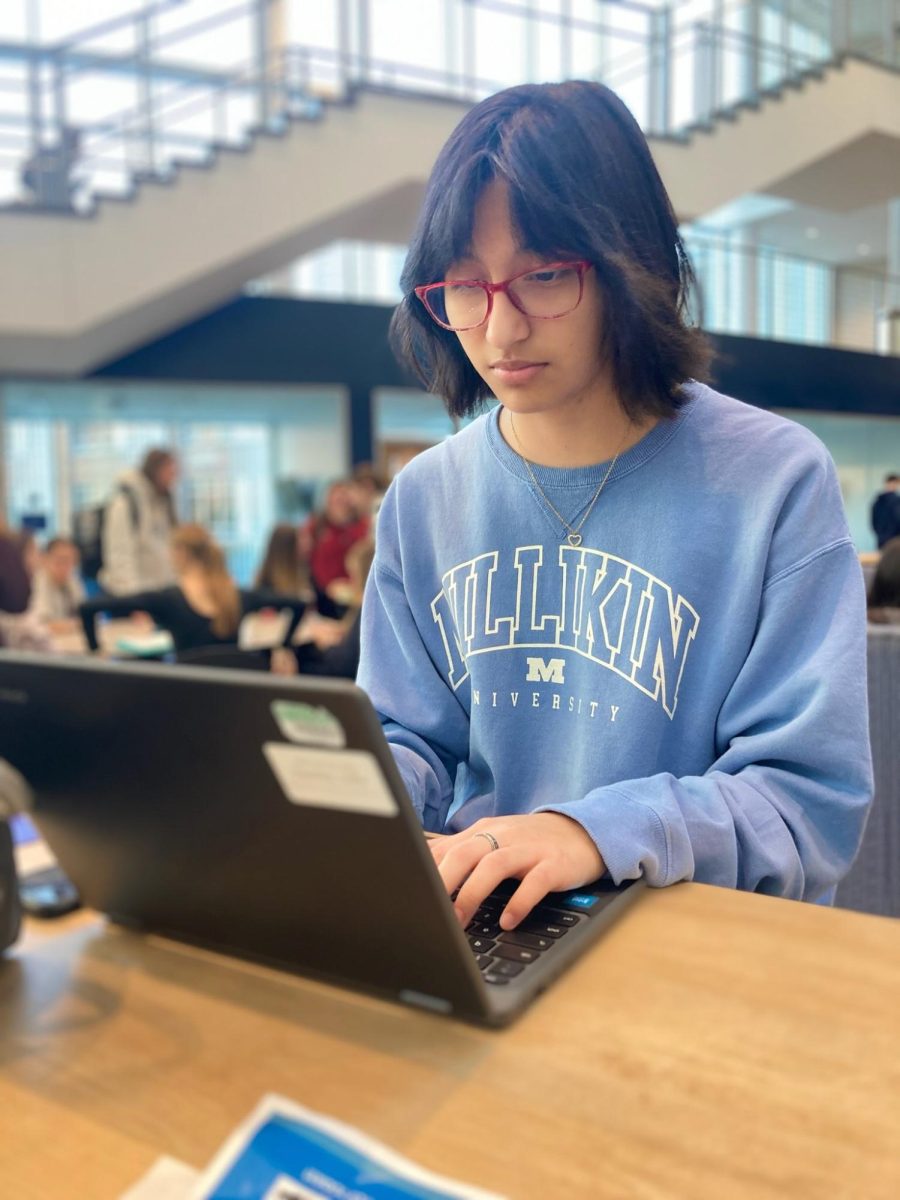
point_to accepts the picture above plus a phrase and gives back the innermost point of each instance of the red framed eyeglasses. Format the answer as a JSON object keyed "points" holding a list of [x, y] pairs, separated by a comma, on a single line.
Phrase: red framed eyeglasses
{"points": [[545, 293]]}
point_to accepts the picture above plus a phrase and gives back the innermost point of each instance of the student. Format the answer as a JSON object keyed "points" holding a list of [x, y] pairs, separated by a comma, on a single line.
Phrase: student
{"points": [[204, 608], [333, 645], [885, 515], [884, 595], [57, 590], [616, 625], [329, 534], [137, 526], [285, 568]]}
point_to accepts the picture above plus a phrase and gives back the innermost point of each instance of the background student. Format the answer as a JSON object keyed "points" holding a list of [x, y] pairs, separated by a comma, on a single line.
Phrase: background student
{"points": [[203, 608], [137, 527], [57, 591]]}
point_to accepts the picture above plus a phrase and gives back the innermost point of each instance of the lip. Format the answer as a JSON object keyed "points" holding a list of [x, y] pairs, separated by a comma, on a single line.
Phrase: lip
{"points": [[516, 371]]}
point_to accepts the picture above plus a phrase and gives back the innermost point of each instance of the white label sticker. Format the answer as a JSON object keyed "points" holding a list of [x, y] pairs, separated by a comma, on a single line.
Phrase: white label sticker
{"points": [[349, 780]]}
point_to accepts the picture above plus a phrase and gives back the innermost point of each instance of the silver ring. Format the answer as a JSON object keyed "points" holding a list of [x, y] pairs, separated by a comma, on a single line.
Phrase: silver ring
{"points": [[495, 845]]}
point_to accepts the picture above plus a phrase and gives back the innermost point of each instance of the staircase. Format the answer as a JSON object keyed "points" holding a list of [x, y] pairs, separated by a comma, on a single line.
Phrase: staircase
{"points": [[80, 289]]}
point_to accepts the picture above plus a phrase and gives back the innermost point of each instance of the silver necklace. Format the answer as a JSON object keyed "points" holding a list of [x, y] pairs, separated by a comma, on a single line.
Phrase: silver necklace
{"points": [[573, 536]]}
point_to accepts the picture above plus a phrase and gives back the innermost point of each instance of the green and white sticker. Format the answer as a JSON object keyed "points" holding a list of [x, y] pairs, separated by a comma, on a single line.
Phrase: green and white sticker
{"points": [[308, 724]]}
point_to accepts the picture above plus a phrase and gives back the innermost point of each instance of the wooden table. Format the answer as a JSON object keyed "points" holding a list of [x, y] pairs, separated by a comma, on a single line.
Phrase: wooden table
{"points": [[714, 1044]]}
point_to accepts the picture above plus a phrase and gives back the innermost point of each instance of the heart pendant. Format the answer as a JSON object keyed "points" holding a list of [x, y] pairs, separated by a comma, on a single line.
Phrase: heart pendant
{"points": [[574, 539]]}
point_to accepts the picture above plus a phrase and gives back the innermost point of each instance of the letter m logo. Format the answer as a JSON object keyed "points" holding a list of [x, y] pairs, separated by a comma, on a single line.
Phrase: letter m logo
{"points": [[546, 672]]}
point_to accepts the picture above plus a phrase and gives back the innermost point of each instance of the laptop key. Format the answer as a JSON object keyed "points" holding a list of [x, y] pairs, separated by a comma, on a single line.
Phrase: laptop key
{"points": [[507, 968], [488, 929], [481, 945], [544, 928], [515, 937], [555, 916], [493, 977], [517, 953], [484, 961]]}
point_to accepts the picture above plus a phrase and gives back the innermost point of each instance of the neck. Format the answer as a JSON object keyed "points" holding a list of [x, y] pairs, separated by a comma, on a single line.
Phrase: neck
{"points": [[576, 440]]}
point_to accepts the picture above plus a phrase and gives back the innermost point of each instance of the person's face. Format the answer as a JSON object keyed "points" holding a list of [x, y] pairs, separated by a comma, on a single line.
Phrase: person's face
{"points": [[339, 506], [530, 365], [61, 563]]}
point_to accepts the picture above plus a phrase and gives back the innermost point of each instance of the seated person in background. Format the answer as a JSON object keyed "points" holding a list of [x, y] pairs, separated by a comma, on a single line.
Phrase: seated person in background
{"points": [[15, 586], [884, 595], [333, 648], [57, 590], [18, 629], [330, 534], [285, 567], [369, 486], [204, 608]]}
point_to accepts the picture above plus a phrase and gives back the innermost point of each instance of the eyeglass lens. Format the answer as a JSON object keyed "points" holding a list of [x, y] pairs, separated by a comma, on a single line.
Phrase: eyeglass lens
{"points": [[551, 293]]}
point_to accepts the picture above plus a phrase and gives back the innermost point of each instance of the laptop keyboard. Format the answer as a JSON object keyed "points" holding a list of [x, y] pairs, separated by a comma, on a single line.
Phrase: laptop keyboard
{"points": [[504, 954]]}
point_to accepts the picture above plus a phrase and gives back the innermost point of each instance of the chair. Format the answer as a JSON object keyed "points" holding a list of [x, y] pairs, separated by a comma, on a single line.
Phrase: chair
{"points": [[873, 882], [224, 656]]}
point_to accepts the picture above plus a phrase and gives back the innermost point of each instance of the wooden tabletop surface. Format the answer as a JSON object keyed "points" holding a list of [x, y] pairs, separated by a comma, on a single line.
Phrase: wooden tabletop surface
{"points": [[713, 1044]]}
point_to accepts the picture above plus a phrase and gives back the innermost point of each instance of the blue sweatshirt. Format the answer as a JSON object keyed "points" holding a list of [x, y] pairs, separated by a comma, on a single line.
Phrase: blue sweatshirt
{"points": [[688, 684]]}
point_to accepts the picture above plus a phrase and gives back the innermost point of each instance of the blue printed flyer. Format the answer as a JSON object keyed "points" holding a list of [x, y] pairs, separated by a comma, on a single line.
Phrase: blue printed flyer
{"points": [[286, 1152]]}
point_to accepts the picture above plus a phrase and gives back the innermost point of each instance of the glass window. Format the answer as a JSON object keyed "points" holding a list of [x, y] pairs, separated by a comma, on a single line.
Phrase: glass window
{"points": [[250, 456]]}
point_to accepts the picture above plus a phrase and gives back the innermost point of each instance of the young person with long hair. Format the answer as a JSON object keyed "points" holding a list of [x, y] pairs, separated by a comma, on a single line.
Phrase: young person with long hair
{"points": [[204, 607], [884, 594], [285, 568], [616, 625]]}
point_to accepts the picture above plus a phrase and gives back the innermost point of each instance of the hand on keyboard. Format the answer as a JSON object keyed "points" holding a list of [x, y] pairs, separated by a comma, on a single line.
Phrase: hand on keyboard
{"points": [[548, 852]]}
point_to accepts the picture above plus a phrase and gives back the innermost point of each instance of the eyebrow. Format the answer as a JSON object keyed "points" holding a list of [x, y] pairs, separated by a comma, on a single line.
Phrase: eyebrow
{"points": [[468, 255]]}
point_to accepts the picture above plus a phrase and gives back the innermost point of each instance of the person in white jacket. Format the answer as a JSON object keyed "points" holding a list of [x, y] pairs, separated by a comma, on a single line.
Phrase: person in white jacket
{"points": [[137, 527]]}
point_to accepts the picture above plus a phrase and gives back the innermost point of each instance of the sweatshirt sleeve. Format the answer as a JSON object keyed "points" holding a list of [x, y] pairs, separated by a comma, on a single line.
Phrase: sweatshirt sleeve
{"points": [[392, 650], [782, 809]]}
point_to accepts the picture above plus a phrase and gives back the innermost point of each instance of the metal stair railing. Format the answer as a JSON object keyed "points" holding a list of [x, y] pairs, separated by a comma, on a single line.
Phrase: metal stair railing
{"points": [[679, 75]]}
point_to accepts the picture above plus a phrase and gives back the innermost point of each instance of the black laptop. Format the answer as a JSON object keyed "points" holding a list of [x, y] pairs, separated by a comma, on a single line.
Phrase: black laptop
{"points": [[264, 817]]}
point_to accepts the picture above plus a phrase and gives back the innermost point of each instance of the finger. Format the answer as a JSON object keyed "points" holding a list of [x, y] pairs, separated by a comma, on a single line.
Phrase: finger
{"points": [[459, 860], [535, 885], [506, 863], [438, 845]]}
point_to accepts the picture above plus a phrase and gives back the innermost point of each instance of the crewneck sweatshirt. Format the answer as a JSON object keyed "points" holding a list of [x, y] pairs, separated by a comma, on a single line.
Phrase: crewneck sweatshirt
{"points": [[688, 683]]}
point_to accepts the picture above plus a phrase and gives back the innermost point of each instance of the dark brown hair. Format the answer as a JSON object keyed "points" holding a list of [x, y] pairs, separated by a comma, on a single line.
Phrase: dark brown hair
{"points": [[284, 568], [885, 589], [583, 185]]}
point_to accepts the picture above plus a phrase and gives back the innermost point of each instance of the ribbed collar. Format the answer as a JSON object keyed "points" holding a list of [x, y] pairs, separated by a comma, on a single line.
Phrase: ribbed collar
{"points": [[581, 477]]}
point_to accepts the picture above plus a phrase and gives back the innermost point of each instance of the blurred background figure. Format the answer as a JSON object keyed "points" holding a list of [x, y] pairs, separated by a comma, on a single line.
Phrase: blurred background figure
{"points": [[331, 532], [19, 628], [137, 527], [285, 566], [886, 511], [56, 588], [369, 486], [47, 174], [203, 608], [15, 586], [884, 594], [333, 645]]}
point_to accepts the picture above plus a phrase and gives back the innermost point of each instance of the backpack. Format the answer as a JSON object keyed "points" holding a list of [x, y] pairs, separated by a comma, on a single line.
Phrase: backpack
{"points": [[87, 530]]}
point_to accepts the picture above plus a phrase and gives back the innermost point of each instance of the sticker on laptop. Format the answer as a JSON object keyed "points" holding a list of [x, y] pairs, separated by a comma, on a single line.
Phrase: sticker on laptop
{"points": [[348, 782], [308, 724]]}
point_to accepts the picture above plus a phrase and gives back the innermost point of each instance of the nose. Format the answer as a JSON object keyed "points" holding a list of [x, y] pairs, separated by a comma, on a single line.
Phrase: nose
{"points": [[506, 326]]}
